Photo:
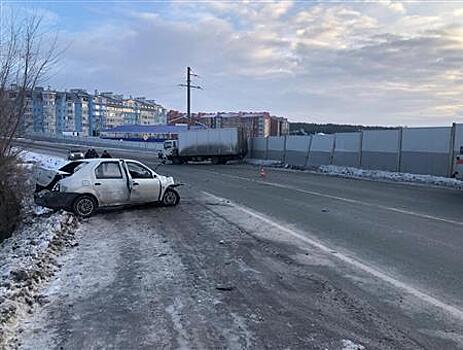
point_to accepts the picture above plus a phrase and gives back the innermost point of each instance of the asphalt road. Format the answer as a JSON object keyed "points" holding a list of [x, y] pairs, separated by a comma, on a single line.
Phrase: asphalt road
{"points": [[400, 244]]}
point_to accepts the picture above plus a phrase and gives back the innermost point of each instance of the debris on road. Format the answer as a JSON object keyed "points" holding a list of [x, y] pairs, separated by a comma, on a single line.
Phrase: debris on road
{"points": [[224, 288]]}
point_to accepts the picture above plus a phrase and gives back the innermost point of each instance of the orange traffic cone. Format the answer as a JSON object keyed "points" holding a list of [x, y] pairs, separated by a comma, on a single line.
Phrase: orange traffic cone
{"points": [[262, 172]]}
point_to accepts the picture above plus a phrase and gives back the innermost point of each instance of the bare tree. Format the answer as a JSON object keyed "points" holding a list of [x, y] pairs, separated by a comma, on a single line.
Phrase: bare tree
{"points": [[27, 53]]}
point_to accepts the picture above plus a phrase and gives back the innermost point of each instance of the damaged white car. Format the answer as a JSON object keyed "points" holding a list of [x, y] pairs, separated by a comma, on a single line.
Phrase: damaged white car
{"points": [[85, 185]]}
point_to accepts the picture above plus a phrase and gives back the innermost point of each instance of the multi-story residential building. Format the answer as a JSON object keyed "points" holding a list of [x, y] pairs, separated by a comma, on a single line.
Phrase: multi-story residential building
{"points": [[97, 112], [150, 113], [51, 111], [254, 123], [115, 110], [27, 120], [80, 103]]}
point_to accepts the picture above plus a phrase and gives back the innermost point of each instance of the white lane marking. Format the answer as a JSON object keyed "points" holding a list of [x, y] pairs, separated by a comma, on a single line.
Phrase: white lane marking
{"points": [[343, 199], [456, 312]]}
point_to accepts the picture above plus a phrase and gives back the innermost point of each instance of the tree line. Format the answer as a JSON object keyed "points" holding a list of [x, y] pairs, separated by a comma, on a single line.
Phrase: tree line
{"points": [[314, 128]]}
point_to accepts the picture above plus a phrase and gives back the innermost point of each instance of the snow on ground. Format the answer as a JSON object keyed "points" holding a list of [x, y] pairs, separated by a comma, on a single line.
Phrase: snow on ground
{"points": [[264, 162], [350, 345], [45, 160], [379, 175], [390, 176], [29, 256]]}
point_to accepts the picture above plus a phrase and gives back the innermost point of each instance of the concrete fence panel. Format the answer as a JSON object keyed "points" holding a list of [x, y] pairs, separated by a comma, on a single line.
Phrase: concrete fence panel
{"points": [[259, 148], [380, 150], [276, 148], [321, 150], [347, 149], [426, 151], [296, 150], [458, 147]]}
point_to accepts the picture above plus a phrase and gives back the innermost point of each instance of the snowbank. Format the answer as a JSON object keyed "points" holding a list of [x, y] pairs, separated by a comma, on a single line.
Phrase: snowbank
{"points": [[263, 162], [28, 257], [390, 176], [379, 175]]}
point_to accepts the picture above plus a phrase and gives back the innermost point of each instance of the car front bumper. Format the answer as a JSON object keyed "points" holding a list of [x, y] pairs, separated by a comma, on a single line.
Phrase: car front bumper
{"points": [[55, 200]]}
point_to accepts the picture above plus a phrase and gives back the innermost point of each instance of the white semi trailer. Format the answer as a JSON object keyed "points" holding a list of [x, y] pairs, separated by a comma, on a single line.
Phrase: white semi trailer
{"points": [[217, 145]]}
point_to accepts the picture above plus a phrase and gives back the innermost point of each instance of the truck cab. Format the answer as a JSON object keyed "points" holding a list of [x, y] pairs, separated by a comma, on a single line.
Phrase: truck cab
{"points": [[170, 149]]}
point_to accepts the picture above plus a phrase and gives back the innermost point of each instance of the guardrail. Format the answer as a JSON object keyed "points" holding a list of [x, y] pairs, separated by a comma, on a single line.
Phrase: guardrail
{"points": [[97, 142]]}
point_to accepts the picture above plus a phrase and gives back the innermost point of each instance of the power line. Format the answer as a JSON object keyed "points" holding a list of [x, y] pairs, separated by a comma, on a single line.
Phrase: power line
{"points": [[188, 86]]}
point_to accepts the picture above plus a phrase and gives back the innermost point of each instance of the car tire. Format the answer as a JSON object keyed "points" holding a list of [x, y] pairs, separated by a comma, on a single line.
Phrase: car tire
{"points": [[84, 206], [171, 198]]}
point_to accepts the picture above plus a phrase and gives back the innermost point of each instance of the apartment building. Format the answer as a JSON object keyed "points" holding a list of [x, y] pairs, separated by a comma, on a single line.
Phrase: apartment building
{"points": [[150, 113], [76, 110], [255, 124]]}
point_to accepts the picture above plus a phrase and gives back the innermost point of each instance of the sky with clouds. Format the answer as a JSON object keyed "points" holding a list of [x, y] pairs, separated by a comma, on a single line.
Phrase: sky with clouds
{"points": [[377, 63]]}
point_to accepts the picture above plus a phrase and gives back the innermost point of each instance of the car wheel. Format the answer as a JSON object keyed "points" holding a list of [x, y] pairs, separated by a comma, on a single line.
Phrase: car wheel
{"points": [[84, 206], [171, 198]]}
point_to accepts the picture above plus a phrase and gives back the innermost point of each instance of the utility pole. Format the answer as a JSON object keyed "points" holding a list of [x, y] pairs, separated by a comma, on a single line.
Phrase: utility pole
{"points": [[188, 93], [188, 86]]}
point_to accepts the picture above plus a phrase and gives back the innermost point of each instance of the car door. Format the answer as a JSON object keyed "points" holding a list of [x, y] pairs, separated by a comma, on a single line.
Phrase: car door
{"points": [[111, 184], [145, 186]]}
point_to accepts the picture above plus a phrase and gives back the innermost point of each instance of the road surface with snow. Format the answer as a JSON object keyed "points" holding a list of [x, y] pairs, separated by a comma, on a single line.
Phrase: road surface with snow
{"points": [[326, 261]]}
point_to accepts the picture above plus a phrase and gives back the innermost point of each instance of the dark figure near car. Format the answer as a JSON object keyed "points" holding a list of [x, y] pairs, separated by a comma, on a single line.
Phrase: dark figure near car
{"points": [[91, 153], [105, 154]]}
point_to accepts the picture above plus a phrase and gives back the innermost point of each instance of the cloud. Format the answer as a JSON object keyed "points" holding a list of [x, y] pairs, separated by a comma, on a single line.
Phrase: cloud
{"points": [[307, 61], [395, 6]]}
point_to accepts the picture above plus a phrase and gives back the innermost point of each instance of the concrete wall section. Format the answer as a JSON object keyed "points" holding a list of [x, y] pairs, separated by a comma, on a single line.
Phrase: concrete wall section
{"points": [[347, 149], [458, 139], [321, 149], [259, 145], [296, 150], [425, 151], [412, 150], [380, 150], [276, 147]]}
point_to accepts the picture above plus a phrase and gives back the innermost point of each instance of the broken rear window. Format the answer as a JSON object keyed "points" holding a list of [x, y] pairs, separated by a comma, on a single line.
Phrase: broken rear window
{"points": [[72, 167]]}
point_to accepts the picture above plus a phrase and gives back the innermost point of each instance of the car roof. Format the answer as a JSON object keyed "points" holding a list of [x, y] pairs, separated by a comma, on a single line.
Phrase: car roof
{"points": [[106, 159]]}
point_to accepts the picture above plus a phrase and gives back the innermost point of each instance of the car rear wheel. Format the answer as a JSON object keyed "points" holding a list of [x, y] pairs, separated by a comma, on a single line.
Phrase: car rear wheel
{"points": [[171, 198], [84, 206]]}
